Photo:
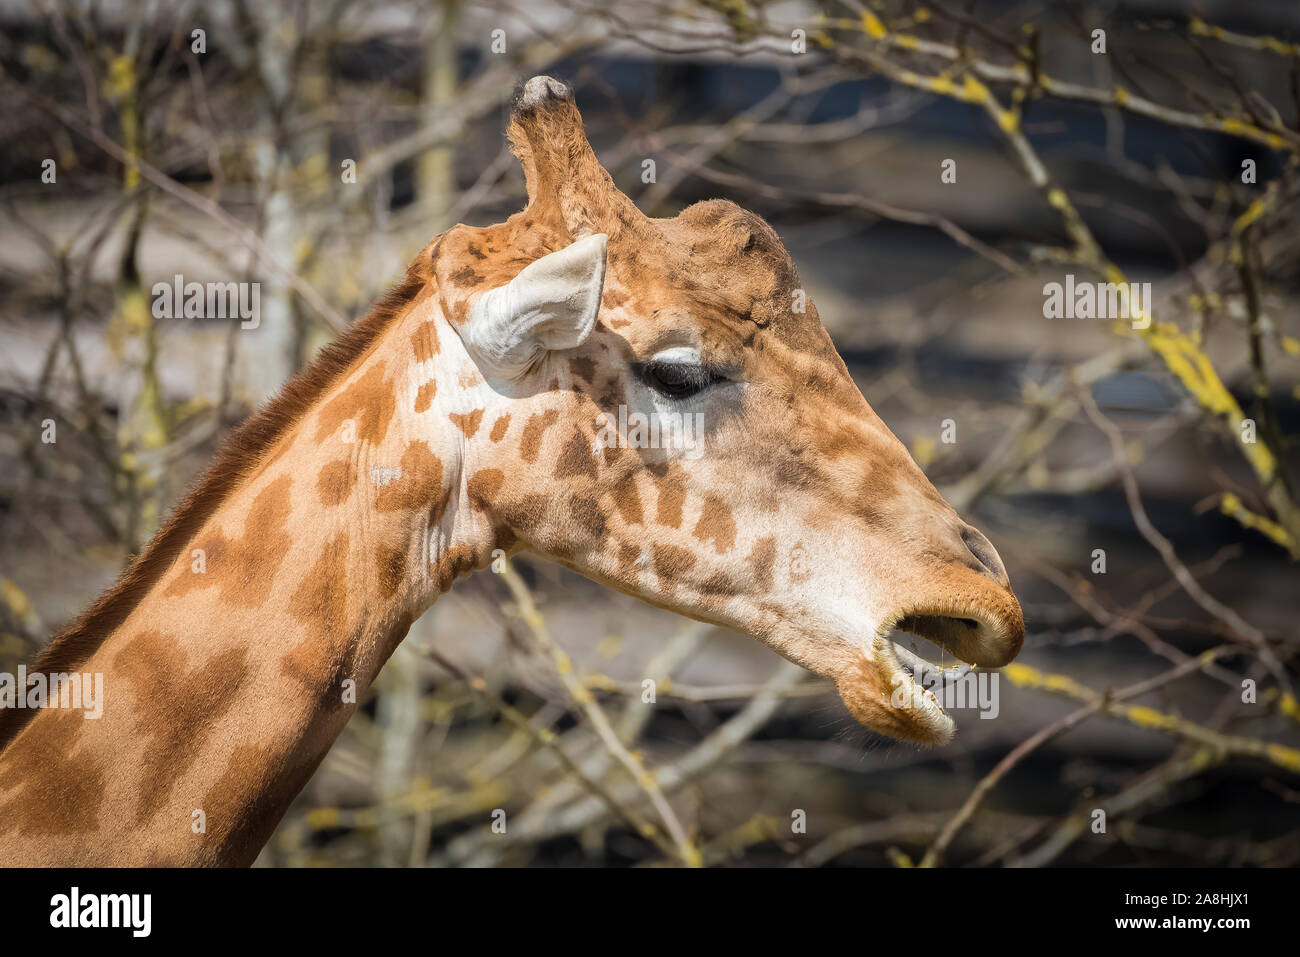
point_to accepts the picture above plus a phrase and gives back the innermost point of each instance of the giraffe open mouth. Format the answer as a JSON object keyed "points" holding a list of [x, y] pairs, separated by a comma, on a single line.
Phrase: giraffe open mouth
{"points": [[941, 629], [927, 675], [921, 667], [986, 633], [923, 675], [920, 690]]}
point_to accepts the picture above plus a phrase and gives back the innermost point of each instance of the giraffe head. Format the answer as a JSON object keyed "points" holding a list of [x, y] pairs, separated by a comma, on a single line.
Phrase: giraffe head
{"points": [[672, 419]]}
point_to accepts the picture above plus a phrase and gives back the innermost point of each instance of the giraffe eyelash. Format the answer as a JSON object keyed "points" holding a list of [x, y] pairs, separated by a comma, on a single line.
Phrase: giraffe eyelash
{"points": [[676, 380]]}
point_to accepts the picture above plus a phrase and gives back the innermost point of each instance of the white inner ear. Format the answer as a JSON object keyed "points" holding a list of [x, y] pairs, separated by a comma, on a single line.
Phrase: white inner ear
{"points": [[550, 305]]}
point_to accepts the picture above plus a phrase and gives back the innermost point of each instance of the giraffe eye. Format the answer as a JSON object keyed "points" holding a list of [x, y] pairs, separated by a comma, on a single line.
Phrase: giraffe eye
{"points": [[676, 380]]}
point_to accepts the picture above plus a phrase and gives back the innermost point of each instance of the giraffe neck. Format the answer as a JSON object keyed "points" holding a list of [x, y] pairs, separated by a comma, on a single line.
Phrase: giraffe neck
{"points": [[227, 683]]}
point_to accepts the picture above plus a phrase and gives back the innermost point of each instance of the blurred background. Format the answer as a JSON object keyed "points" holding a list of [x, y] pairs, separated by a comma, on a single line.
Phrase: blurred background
{"points": [[1140, 484]]}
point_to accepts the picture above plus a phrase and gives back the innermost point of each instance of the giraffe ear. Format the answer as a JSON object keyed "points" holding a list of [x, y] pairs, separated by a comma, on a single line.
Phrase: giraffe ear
{"points": [[550, 305]]}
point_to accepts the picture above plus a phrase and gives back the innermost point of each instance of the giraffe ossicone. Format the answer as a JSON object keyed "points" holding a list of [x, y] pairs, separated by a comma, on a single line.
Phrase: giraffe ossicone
{"points": [[460, 422]]}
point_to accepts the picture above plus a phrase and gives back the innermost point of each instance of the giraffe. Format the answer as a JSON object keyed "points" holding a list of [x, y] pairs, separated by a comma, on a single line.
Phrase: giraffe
{"points": [[471, 414]]}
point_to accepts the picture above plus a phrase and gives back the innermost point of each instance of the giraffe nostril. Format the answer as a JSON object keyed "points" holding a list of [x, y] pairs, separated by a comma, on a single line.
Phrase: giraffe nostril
{"points": [[985, 554]]}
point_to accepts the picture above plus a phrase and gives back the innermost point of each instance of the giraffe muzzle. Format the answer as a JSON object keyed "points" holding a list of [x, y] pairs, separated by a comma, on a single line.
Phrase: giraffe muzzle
{"points": [[970, 612], [973, 617]]}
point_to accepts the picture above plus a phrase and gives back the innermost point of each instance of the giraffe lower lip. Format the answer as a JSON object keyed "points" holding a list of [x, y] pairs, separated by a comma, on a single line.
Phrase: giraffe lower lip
{"points": [[908, 692]]}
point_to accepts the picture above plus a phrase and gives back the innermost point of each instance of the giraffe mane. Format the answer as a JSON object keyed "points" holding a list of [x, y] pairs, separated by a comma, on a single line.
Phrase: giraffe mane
{"points": [[237, 458]]}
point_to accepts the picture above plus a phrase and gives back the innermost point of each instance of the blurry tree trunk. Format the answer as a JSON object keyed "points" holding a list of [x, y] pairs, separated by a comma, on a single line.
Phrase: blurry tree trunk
{"points": [[314, 182], [398, 716], [436, 174], [269, 349], [142, 416]]}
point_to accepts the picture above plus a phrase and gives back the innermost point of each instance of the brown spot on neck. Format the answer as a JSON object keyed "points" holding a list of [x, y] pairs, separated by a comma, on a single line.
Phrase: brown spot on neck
{"points": [[628, 500], [243, 569], [534, 429], [390, 570], [672, 496], [717, 585], [576, 459], [335, 481], [524, 514], [499, 428], [177, 708], [368, 404], [483, 486], [671, 562], [247, 800], [424, 341], [716, 525], [424, 395], [587, 515], [456, 561], [628, 556], [320, 605], [52, 779], [467, 423], [419, 486]]}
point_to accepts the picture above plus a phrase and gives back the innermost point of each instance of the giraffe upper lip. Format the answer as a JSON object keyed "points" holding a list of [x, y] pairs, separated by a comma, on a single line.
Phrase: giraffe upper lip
{"points": [[990, 642], [972, 618]]}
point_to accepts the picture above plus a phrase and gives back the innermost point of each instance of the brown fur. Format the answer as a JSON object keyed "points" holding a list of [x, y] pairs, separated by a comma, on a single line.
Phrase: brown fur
{"points": [[176, 707], [424, 396], [499, 427], [42, 806], [421, 471], [335, 482], [239, 457], [467, 423], [244, 569]]}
